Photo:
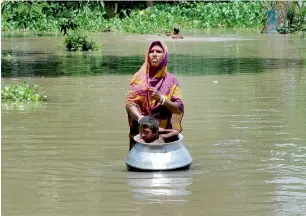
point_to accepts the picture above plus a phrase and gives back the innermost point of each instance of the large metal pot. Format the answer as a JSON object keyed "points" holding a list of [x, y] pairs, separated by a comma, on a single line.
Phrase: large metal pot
{"points": [[166, 156]]}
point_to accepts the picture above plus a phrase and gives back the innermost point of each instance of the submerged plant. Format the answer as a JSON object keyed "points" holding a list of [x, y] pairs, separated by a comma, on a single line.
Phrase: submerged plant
{"points": [[5, 56], [22, 92], [79, 41]]}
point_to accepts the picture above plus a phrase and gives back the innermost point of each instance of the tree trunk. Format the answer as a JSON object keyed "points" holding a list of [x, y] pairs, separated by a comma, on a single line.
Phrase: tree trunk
{"points": [[111, 8], [149, 3], [276, 15], [179, 1], [282, 7]]}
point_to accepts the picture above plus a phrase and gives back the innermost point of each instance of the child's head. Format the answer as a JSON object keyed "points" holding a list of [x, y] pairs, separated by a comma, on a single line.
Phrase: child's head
{"points": [[148, 127], [176, 30]]}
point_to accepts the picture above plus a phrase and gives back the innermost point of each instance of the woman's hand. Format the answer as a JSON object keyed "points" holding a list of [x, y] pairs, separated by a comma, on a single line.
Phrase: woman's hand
{"points": [[134, 111], [156, 95]]}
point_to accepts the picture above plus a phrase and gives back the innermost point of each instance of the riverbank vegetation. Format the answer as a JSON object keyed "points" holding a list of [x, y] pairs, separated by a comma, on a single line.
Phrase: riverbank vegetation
{"points": [[5, 56], [22, 93], [79, 41], [54, 17], [296, 19]]}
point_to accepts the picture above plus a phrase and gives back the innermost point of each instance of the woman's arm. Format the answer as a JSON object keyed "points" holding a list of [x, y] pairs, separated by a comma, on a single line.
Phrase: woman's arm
{"points": [[134, 111], [175, 107]]}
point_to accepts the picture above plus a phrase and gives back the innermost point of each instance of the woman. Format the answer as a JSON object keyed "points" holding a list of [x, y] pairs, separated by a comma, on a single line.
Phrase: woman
{"points": [[154, 91]]}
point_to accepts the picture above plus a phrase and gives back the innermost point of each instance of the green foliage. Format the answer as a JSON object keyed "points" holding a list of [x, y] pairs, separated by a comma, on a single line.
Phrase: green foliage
{"points": [[5, 56], [26, 15], [6, 59], [51, 16], [79, 41], [195, 15], [67, 24], [287, 29], [44, 17], [91, 16], [296, 17], [22, 92]]}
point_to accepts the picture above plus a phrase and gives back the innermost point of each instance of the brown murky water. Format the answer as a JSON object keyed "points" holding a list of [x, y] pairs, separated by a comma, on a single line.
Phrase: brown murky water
{"points": [[246, 131]]}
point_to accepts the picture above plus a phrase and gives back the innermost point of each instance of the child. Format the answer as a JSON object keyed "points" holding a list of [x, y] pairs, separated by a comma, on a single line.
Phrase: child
{"points": [[151, 133]]}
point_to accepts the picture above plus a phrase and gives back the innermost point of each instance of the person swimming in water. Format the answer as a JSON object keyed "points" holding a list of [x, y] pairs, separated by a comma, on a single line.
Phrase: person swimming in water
{"points": [[176, 35]]}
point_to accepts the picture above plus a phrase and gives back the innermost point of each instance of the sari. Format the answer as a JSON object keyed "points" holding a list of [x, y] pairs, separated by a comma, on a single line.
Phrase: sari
{"points": [[164, 82]]}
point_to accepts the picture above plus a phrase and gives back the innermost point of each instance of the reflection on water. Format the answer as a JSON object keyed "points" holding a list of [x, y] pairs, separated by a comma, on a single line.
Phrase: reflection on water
{"points": [[22, 106], [160, 186], [125, 54], [97, 65]]}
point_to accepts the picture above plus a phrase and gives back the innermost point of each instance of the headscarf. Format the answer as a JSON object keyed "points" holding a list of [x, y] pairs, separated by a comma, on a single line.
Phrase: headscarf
{"points": [[164, 82]]}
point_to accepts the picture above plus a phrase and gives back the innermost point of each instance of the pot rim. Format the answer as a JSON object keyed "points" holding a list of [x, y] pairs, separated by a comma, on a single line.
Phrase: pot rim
{"points": [[180, 136]]}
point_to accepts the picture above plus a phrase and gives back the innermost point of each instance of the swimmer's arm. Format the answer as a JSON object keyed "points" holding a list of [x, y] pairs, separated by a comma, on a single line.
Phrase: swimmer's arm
{"points": [[168, 133]]}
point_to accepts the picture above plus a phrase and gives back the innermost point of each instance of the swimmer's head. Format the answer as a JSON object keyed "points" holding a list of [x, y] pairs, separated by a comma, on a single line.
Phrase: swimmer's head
{"points": [[176, 30]]}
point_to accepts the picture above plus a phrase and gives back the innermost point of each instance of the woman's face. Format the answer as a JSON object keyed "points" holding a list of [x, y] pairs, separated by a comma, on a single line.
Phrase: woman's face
{"points": [[156, 56]]}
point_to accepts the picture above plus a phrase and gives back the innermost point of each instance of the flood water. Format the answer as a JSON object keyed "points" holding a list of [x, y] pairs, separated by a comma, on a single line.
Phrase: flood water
{"points": [[244, 126]]}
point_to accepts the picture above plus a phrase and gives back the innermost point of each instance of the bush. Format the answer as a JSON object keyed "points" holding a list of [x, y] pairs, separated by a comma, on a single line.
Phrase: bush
{"points": [[195, 16], [50, 17], [5, 56], [22, 92], [79, 41]]}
